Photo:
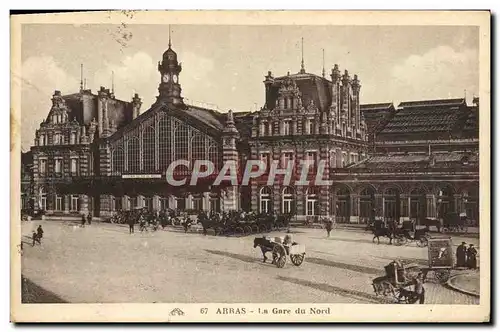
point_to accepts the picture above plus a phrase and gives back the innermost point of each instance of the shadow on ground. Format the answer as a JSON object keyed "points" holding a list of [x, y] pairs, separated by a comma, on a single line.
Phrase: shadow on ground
{"points": [[243, 258], [352, 240], [32, 293], [353, 294], [344, 266]]}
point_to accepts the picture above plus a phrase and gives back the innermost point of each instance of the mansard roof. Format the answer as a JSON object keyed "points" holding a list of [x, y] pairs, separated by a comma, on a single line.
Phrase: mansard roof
{"points": [[433, 103], [438, 160], [439, 118], [311, 86]]}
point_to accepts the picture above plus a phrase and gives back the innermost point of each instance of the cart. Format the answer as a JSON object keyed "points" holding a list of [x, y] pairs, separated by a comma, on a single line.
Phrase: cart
{"points": [[440, 251], [296, 252], [397, 282]]}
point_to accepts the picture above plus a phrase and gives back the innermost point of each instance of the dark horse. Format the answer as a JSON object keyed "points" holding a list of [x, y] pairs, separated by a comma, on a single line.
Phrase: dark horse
{"points": [[265, 245], [384, 231]]}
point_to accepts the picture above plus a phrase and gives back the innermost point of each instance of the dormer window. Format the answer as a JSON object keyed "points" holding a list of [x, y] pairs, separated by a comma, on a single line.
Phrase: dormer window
{"points": [[41, 140], [72, 138], [311, 127]]}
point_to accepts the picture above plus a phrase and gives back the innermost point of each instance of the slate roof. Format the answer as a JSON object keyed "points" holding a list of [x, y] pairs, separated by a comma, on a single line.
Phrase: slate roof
{"points": [[377, 115], [437, 116], [311, 86], [418, 161]]}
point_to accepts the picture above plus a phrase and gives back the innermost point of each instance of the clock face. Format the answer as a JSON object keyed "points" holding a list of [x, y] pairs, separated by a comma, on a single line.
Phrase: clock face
{"points": [[165, 78]]}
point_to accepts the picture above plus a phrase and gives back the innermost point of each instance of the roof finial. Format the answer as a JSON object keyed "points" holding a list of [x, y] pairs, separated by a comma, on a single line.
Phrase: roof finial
{"points": [[169, 37], [112, 81], [465, 95], [81, 76], [85, 84], [323, 72], [302, 69]]}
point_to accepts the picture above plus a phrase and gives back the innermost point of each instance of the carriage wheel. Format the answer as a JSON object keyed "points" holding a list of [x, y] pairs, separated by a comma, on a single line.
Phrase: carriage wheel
{"points": [[442, 275], [423, 242], [280, 254], [247, 230], [281, 226], [238, 231], [255, 229], [297, 260], [445, 230], [262, 229], [400, 240]]}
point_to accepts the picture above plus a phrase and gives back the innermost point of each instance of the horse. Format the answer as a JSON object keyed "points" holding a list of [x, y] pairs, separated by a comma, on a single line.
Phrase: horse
{"points": [[378, 232], [265, 246]]}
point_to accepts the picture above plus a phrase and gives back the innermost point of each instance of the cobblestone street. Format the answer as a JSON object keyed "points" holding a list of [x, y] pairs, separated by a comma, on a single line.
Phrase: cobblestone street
{"points": [[103, 263]]}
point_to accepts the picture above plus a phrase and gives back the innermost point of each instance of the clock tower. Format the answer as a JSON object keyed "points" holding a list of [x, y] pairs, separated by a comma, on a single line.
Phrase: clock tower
{"points": [[169, 68]]}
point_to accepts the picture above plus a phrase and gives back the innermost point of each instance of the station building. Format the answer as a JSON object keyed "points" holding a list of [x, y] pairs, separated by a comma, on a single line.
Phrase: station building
{"points": [[95, 153]]}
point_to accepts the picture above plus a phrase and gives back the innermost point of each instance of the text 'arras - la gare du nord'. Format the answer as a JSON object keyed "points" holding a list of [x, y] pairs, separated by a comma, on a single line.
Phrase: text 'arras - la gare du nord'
{"points": [[229, 173]]}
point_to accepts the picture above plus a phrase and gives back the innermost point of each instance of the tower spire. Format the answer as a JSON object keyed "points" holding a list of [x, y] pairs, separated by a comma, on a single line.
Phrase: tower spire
{"points": [[302, 69], [81, 76], [169, 37], [323, 72]]}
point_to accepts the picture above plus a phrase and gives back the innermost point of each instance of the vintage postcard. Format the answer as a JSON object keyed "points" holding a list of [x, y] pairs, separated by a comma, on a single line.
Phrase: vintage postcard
{"points": [[213, 166]]}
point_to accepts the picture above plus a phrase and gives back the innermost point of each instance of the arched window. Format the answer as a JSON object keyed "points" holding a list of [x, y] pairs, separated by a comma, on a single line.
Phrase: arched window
{"points": [[391, 205], [165, 143], [41, 140], [333, 159], [133, 155], [213, 155], [366, 205], [118, 161], [288, 200], [265, 200], [148, 149], [445, 201], [181, 142], [42, 198], [198, 147], [342, 204], [471, 205], [312, 205], [418, 205]]}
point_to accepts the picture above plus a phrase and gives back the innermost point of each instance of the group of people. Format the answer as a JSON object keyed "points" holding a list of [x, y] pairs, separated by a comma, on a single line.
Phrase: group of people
{"points": [[467, 257], [86, 219], [37, 236]]}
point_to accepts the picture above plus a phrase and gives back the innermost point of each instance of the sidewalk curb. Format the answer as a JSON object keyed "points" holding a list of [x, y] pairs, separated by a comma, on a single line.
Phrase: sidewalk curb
{"points": [[459, 289]]}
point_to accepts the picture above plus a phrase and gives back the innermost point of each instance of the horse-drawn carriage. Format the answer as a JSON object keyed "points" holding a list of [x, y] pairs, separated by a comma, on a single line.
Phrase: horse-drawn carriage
{"points": [[399, 277], [234, 225], [397, 282], [281, 247], [407, 233], [450, 222]]}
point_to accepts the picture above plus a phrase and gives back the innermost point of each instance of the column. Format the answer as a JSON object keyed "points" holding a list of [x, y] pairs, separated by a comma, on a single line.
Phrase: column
{"points": [[172, 202], [431, 205], [354, 215], [206, 201], [156, 202], [403, 213], [255, 197], [379, 206], [125, 203], [84, 204], [66, 204], [300, 202], [459, 207]]}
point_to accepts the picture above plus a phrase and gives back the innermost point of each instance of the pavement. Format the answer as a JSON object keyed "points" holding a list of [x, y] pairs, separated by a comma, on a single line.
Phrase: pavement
{"points": [[467, 282], [103, 263]]}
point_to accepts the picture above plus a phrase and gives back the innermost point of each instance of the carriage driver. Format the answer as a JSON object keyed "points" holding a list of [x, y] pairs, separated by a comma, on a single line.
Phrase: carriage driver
{"points": [[287, 243]]}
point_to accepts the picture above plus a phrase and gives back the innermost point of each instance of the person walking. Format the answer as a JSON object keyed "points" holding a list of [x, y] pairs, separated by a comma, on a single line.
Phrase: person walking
{"points": [[471, 257], [462, 255], [89, 218], [83, 220], [131, 223], [419, 288], [39, 232], [328, 226], [35, 239]]}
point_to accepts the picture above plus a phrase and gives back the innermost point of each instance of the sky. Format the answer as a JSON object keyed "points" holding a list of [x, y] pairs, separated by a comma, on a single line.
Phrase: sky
{"points": [[224, 66]]}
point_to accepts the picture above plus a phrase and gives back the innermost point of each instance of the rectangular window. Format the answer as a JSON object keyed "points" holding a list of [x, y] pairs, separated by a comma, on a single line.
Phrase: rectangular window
{"points": [[265, 157], [43, 202], [264, 129], [163, 204], [43, 167], [59, 203], [287, 156], [74, 203], [197, 204], [72, 138], [286, 128], [73, 166], [311, 127], [58, 165], [311, 155], [181, 203]]}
